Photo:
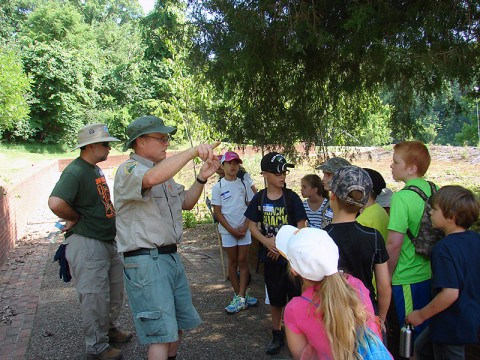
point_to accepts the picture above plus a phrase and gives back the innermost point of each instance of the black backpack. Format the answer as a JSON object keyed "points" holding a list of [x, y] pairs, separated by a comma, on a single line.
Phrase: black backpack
{"points": [[427, 235], [241, 174]]}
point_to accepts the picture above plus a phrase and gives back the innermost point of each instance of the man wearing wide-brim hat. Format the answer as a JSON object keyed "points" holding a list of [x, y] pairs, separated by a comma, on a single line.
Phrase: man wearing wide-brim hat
{"points": [[82, 198], [149, 227]]}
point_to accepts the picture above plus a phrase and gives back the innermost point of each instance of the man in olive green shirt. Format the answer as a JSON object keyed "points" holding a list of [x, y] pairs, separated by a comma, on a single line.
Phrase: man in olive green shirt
{"points": [[82, 198]]}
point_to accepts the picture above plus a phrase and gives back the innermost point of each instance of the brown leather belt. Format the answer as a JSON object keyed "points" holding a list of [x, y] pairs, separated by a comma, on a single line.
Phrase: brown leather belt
{"points": [[167, 249]]}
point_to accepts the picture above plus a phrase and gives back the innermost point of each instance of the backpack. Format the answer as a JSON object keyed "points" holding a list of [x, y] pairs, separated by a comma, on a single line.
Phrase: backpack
{"points": [[372, 348], [241, 174], [427, 235]]}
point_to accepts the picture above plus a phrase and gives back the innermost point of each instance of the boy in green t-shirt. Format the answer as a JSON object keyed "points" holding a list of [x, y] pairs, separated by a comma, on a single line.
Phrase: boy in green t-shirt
{"points": [[410, 271]]}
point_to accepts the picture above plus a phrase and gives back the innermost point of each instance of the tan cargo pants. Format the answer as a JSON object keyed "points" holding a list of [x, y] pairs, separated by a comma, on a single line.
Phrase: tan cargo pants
{"points": [[97, 270]]}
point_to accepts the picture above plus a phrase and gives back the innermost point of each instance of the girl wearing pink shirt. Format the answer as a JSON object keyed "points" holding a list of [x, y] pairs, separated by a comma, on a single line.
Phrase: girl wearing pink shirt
{"points": [[334, 316]]}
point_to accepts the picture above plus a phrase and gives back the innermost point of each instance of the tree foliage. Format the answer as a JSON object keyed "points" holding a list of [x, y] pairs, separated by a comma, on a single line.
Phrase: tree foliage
{"points": [[13, 13], [252, 72], [118, 11], [14, 86], [186, 94], [84, 68], [299, 70], [60, 56]]}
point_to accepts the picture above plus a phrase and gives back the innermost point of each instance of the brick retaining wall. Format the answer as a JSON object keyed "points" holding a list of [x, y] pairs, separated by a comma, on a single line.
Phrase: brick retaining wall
{"points": [[17, 203]]}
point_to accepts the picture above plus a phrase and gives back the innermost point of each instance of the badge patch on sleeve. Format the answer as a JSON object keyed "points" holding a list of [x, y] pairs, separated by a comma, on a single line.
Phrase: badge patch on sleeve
{"points": [[128, 168]]}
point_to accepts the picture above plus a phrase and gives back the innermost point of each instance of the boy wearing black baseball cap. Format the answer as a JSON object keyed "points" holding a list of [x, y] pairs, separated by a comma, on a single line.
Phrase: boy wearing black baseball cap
{"points": [[268, 211]]}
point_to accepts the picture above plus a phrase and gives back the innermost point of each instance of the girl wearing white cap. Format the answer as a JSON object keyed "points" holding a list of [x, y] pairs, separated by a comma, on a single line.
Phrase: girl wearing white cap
{"points": [[333, 319]]}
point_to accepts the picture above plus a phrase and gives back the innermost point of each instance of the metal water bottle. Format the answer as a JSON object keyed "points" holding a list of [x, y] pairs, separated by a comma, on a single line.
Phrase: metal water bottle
{"points": [[406, 341]]}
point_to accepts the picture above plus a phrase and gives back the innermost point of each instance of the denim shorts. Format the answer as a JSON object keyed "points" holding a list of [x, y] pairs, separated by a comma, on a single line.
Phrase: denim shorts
{"points": [[159, 297]]}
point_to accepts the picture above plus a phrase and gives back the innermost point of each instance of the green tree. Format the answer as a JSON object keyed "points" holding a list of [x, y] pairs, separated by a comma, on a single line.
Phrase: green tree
{"points": [[60, 56], [123, 74], [302, 70], [13, 13], [185, 95], [118, 11], [470, 131], [14, 89], [439, 118], [468, 134]]}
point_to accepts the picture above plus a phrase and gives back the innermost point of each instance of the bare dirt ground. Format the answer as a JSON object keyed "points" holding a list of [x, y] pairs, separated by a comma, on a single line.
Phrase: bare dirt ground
{"points": [[449, 165]]}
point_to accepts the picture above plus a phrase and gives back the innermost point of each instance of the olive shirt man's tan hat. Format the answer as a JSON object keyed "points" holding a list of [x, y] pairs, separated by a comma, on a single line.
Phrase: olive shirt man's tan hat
{"points": [[92, 134], [146, 125]]}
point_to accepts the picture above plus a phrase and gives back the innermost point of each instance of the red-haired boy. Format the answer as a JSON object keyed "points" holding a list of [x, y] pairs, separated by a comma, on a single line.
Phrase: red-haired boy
{"points": [[410, 271]]}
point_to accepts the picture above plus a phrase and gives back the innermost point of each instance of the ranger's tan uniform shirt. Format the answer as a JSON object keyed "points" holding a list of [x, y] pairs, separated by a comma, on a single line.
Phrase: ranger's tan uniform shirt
{"points": [[149, 218]]}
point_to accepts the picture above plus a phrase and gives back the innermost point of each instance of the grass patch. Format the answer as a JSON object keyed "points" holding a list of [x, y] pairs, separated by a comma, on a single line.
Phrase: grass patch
{"points": [[33, 148]]}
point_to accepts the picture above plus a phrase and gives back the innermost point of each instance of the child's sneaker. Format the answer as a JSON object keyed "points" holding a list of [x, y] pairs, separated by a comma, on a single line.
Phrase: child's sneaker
{"points": [[250, 300], [236, 305]]}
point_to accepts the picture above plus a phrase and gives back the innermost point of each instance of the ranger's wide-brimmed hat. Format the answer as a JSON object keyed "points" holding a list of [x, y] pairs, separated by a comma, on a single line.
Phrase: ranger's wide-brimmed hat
{"points": [[146, 125]]}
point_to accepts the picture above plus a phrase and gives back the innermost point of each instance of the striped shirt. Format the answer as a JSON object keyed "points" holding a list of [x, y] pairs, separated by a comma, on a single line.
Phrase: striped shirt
{"points": [[314, 217]]}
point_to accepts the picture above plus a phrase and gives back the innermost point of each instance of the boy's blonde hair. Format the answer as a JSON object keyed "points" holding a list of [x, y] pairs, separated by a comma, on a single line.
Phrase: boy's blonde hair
{"points": [[457, 203], [414, 153]]}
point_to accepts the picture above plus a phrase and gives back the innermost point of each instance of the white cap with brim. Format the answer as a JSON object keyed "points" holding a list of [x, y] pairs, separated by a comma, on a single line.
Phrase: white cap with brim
{"points": [[311, 252], [92, 134]]}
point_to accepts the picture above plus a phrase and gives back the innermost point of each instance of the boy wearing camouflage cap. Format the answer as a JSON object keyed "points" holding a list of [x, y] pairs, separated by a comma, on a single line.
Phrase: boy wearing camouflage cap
{"points": [[329, 167], [361, 248]]}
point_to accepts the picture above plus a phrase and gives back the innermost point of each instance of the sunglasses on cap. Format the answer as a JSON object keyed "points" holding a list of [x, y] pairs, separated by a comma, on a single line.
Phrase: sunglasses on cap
{"points": [[284, 172]]}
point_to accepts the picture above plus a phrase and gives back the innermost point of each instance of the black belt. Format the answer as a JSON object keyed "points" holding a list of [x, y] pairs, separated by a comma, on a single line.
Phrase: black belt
{"points": [[167, 249]]}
